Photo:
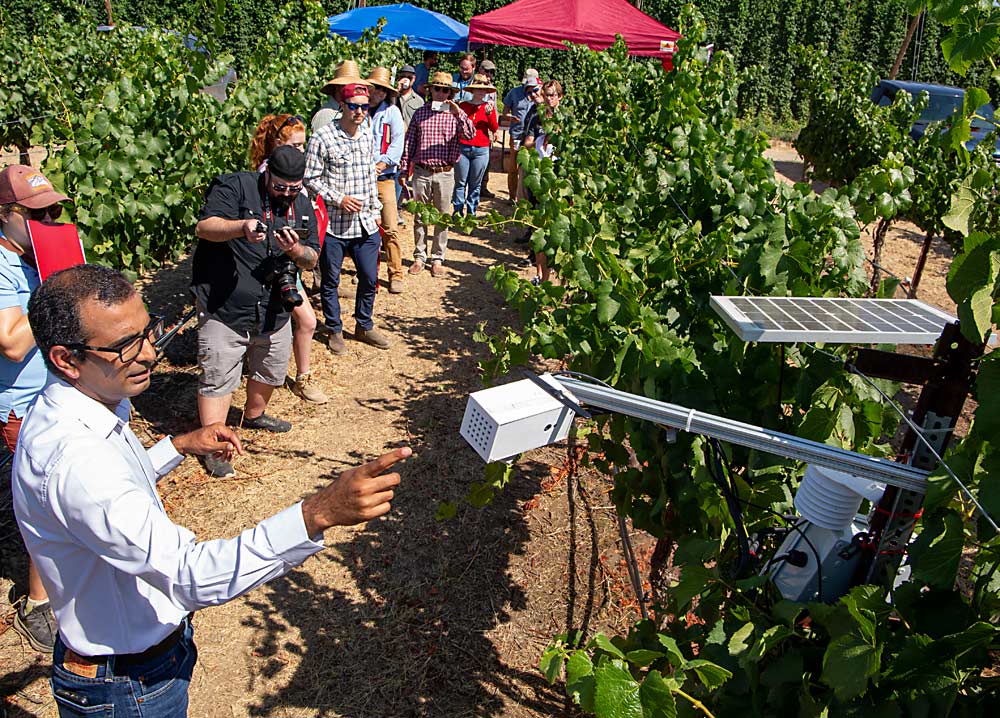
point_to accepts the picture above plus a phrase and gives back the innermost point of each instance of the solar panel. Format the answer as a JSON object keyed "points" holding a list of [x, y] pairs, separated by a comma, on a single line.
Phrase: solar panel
{"points": [[832, 320]]}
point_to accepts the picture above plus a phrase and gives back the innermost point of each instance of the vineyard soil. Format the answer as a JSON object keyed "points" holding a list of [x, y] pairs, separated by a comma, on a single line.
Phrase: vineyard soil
{"points": [[408, 616]]}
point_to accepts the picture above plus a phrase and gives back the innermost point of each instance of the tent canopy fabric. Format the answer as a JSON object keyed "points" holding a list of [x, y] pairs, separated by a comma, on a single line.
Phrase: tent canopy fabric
{"points": [[547, 23], [424, 29]]}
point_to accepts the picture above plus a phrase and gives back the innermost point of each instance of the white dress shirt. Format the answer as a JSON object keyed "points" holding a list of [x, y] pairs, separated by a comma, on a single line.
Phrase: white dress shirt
{"points": [[120, 574]]}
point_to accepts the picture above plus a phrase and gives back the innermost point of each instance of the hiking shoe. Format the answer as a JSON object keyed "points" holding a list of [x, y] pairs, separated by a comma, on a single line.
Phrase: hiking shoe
{"points": [[395, 286], [307, 390], [437, 269], [372, 336], [417, 267], [217, 467], [536, 281], [267, 423], [335, 341], [37, 624]]}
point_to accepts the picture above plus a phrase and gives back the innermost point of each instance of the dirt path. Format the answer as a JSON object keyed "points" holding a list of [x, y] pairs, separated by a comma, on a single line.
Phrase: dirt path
{"points": [[408, 616]]}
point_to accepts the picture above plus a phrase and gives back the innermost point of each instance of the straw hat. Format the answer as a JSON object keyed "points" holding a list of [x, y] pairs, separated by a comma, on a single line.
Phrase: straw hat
{"points": [[380, 77], [347, 73], [480, 82], [442, 79]]}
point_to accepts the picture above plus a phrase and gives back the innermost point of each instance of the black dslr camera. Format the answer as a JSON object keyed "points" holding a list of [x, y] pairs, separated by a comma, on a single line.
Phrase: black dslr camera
{"points": [[282, 274]]}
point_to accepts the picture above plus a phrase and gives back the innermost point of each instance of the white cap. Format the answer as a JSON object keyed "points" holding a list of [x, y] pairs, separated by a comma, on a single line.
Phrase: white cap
{"points": [[529, 74]]}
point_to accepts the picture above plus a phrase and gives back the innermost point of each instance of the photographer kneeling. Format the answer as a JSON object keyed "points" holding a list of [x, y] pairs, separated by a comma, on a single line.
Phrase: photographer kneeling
{"points": [[256, 231]]}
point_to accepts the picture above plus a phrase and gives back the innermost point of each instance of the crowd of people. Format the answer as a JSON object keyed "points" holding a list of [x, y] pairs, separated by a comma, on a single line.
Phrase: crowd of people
{"points": [[79, 346]]}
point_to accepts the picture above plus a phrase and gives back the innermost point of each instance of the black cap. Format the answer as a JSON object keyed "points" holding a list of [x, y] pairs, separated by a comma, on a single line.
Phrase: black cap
{"points": [[287, 162]]}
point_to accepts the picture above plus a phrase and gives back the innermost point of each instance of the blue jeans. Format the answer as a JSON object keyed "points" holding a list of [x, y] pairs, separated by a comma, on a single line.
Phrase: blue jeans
{"points": [[364, 250], [155, 689], [469, 171]]}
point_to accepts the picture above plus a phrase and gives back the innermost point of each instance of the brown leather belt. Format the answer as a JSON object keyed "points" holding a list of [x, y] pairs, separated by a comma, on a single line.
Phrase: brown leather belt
{"points": [[72, 659], [435, 170]]}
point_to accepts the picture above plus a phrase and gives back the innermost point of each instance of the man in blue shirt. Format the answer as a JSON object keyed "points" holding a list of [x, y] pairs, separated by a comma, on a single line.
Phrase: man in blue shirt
{"points": [[25, 194], [424, 72], [516, 104], [463, 78]]}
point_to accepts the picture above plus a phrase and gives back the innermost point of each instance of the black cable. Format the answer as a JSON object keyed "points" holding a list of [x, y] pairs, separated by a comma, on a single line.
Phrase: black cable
{"points": [[798, 529], [721, 472], [581, 375]]}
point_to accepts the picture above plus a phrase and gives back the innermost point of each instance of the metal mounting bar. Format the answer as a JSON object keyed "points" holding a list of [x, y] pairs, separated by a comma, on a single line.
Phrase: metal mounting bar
{"points": [[754, 437]]}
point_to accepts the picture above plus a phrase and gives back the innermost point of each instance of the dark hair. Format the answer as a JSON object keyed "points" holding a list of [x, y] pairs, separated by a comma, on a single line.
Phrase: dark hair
{"points": [[54, 308], [430, 54]]}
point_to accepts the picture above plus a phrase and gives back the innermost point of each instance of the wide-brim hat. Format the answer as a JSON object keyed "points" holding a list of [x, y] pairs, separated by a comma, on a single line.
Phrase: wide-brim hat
{"points": [[381, 78], [347, 73], [442, 79], [480, 82], [26, 186]]}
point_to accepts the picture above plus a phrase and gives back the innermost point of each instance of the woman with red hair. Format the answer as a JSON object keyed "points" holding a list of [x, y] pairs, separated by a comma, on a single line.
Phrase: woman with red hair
{"points": [[274, 131]]}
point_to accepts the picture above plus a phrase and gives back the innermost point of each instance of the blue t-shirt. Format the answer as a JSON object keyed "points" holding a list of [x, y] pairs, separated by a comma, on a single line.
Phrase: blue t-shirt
{"points": [[421, 76], [20, 382], [518, 102]]}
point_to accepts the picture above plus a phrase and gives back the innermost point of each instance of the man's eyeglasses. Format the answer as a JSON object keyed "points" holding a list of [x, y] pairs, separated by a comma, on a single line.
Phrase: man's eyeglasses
{"points": [[53, 212], [354, 106], [130, 349], [286, 188]]}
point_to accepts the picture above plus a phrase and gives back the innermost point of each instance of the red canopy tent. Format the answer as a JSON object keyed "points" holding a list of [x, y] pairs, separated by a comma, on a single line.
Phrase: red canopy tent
{"points": [[594, 23]]}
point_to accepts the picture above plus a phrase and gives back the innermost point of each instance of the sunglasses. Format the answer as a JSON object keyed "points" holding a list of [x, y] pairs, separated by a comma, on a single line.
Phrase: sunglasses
{"points": [[53, 212], [286, 188], [354, 107], [532, 90], [438, 88], [129, 350], [291, 120]]}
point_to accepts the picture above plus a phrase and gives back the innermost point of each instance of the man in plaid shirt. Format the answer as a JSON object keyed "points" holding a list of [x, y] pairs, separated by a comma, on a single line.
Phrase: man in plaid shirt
{"points": [[431, 150], [340, 166]]}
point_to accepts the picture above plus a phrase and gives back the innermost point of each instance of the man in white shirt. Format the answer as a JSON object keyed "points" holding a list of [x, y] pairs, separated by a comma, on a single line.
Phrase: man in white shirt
{"points": [[121, 577]]}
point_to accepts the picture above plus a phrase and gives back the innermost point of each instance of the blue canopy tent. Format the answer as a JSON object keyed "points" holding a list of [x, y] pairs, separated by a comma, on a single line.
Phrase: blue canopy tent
{"points": [[424, 29]]}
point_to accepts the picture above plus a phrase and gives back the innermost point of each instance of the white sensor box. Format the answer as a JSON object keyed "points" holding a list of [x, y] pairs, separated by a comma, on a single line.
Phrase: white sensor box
{"points": [[505, 420]]}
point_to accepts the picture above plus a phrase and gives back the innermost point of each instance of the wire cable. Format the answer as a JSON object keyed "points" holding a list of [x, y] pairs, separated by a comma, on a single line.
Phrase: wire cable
{"points": [[918, 432], [722, 474], [795, 526]]}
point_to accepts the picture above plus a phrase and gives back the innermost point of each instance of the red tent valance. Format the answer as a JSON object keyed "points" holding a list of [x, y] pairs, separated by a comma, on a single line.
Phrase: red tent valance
{"points": [[594, 23]]}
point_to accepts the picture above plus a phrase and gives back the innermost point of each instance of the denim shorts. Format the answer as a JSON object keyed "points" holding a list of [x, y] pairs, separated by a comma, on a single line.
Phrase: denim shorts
{"points": [[157, 688]]}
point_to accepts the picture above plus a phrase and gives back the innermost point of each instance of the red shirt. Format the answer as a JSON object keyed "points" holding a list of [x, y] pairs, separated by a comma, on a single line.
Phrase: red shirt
{"points": [[484, 117]]}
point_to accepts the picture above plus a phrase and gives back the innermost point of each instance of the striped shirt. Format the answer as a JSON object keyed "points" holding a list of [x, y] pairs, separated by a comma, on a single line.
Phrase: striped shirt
{"points": [[338, 165], [433, 138]]}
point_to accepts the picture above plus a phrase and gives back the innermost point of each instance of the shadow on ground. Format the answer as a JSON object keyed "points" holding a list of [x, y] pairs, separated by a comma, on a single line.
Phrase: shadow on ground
{"points": [[413, 640]]}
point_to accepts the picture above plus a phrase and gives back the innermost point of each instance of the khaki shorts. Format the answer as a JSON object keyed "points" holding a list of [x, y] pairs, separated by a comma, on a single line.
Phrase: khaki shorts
{"points": [[221, 352]]}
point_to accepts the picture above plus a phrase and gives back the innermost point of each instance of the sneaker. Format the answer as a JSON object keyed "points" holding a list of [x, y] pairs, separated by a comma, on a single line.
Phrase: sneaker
{"points": [[437, 269], [37, 624], [536, 281], [417, 267], [396, 286], [218, 468], [267, 423], [306, 389], [372, 336], [335, 341]]}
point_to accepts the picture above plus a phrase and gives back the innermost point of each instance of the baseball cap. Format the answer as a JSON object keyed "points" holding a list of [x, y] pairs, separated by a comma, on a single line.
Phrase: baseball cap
{"points": [[287, 162], [487, 66], [26, 186], [530, 74], [356, 89], [406, 69], [532, 83]]}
